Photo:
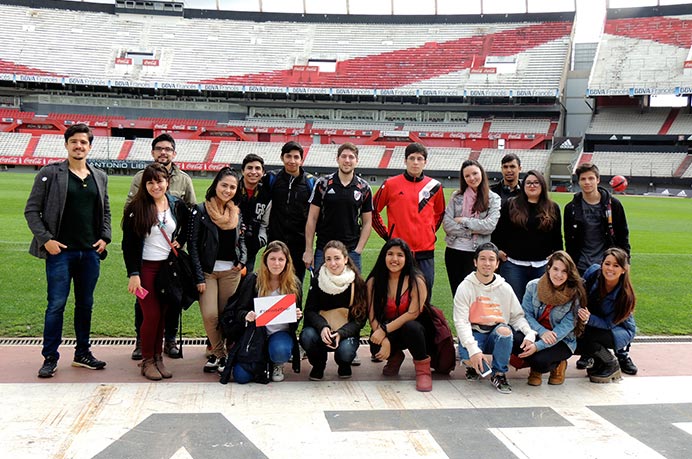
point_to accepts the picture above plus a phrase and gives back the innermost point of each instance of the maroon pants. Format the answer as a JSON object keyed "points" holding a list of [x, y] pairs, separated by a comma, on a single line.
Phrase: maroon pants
{"points": [[154, 312]]}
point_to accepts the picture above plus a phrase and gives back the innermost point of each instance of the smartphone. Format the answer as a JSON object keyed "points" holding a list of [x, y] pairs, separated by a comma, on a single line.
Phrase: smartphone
{"points": [[141, 293], [486, 369]]}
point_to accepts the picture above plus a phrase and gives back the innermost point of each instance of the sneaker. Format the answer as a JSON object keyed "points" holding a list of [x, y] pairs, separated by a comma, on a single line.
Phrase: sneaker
{"points": [[316, 374], [278, 372], [170, 348], [88, 361], [585, 362], [212, 364], [356, 361], [303, 354], [472, 374], [49, 367], [208, 351], [627, 366], [501, 384], [137, 351], [344, 371], [222, 364]]}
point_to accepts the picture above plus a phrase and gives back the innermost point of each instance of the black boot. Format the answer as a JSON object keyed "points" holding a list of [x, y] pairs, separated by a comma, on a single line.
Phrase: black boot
{"points": [[626, 364], [585, 362], [609, 370]]}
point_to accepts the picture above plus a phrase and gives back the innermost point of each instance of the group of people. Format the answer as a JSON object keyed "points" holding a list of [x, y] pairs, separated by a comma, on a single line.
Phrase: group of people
{"points": [[537, 310]]}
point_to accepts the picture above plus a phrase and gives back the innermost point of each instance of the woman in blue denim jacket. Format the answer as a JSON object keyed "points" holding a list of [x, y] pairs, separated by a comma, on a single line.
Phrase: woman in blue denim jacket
{"points": [[550, 305], [609, 318]]}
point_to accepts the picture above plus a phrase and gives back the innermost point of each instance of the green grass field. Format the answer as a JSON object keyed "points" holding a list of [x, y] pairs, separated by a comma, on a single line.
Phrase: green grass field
{"points": [[660, 233]]}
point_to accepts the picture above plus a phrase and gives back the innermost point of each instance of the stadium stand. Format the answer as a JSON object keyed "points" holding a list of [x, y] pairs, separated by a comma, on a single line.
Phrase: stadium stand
{"points": [[638, 164], [324, 155], [473, 125], [234, 152], [53, 146], [520, 125], [491, 159], [13, 144], [627, 120], [440, 56], [446, 159], [642, 55], [355, 125]]}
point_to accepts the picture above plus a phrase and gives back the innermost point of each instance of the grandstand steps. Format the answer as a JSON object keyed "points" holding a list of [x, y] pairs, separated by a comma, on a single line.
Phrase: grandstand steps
{"points": [[125, 150], [486, 127], [212, 152], [670, 119], [31, 147], [585, 158], [684, 165], [475, 154], [386, 157]]}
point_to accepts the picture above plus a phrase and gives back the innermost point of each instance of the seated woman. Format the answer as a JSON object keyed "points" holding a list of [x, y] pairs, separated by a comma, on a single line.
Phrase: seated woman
{"points": [[335, 312], [396, 293], [608, 316], [550, 306], [274, 344]]}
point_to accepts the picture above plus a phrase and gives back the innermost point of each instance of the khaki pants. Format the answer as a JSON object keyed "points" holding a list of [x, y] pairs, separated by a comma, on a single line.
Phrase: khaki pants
{"points": [[221, 285]]}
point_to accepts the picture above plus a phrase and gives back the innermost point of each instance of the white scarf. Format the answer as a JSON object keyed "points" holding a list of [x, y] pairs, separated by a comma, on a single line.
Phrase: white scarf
{"points": [[334, 284]]}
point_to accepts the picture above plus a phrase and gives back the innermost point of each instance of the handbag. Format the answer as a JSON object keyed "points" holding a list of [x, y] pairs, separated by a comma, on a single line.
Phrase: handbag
{"points": [[439, 340], [175, 282]]}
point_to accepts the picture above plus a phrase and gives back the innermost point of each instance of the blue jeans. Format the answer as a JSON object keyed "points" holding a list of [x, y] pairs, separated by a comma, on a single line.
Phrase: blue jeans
{"points": [[427, 267], [82, 268], [499, 346], [280, 345], [518, 276], [317, 350], [319, 259]]}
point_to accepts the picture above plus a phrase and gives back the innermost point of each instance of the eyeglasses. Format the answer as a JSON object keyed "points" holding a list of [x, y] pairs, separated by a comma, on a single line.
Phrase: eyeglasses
{"points": [[532, 184], [164, 149]]}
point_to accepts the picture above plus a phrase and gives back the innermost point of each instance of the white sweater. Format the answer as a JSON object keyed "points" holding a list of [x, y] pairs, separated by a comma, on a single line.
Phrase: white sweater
{"points": [[499, 293]]}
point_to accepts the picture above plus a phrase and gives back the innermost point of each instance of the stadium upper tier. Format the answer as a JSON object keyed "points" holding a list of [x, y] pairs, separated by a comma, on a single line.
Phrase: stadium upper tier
{"points": [[476, 59], [648, 55]]}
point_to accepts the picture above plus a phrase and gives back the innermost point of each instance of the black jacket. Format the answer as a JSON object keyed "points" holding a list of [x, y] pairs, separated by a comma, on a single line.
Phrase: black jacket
{"points": [[318, 300], [133, 245], [204, 242], [289, 209], [252, 347], [615, 234]]}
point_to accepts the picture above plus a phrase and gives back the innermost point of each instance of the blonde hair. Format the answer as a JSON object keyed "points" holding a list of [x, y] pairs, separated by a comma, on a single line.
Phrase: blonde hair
{"points": [[288, 282]]}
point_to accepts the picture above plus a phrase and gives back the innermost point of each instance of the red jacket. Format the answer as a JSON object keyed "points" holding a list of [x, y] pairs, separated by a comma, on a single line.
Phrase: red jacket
{"points": [[415, 208]]}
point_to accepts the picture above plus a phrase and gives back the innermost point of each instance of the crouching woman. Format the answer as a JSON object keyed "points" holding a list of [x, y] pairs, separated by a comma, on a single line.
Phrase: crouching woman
{"points": [[335, 312], [397, 293], [550, 305]]}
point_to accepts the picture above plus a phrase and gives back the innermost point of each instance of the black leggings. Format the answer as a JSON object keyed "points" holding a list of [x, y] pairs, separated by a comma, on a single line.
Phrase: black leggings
{"points": [[593, 339], [459, 264], [410, 336], [549, 358]]}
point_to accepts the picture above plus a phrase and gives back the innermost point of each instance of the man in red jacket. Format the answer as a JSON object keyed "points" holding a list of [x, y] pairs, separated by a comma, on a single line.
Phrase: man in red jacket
{"points": [[415, 206]]}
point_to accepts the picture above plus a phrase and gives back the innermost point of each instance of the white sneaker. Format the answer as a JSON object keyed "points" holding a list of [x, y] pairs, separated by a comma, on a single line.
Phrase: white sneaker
{"points": [[278, 372], [356, 361]]}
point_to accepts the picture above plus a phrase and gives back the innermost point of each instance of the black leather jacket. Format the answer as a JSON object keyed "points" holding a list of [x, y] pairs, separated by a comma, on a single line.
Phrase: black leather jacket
{"points": [[204, 242]]}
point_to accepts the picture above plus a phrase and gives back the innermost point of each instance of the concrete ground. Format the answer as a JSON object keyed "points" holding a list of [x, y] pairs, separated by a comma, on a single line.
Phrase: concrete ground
{"points": [[116, 413]]}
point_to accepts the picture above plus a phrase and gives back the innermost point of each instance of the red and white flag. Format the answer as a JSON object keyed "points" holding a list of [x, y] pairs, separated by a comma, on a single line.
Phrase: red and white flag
{"points": [[274, 310]]}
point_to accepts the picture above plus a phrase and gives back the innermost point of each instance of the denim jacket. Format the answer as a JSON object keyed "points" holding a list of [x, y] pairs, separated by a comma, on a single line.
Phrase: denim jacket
{"points": [[561, 318]]}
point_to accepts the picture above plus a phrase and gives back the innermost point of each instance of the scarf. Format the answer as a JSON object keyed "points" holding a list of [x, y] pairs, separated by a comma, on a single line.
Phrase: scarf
{"points": [[225, 217], [334, 284], [547, 294], [469, 201]]}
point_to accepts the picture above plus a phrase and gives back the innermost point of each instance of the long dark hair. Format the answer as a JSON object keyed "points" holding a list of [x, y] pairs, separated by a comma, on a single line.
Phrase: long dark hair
{"points": [[574, 281], [519, 205], [483, 190], [626, 299], [142, 208], [359, 308], [222, 174], [380, 277]]}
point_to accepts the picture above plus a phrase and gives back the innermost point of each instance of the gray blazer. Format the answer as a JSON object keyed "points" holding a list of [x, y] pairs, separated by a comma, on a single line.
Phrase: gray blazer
{"points": [[44, 208]]}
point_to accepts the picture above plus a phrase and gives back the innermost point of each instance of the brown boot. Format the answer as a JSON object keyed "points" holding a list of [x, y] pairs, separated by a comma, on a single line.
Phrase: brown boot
{"points": [[557, 376], [535, 378], [149, 370], [391, 368], [423, 376], [158, 359]]}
